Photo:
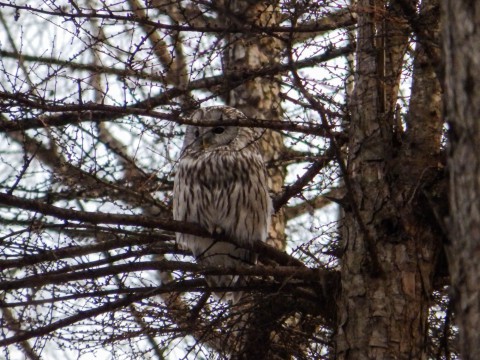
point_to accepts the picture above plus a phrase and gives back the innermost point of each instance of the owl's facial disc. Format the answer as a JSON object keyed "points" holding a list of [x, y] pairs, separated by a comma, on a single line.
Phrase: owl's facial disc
{"points": [[210, 138], [217, 136]]}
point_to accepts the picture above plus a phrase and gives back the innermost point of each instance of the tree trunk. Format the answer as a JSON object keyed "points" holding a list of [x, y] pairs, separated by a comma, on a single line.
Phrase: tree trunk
{"points": [[389, 251], [258, 98], [461, 36]]}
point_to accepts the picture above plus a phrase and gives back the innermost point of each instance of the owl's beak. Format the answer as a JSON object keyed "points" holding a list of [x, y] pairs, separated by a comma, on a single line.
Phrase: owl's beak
{"points": [[206, 141]]}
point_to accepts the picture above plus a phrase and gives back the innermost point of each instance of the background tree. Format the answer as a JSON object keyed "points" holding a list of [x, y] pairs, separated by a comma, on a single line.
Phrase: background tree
{"points": [[462, 72], [93, 98]]}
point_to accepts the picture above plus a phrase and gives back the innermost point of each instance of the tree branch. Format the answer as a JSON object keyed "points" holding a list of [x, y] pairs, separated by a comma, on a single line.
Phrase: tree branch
{"points": [[96, 113], [249, 28], [285, 272], [263, 249], [316, 203], [304, 180]]}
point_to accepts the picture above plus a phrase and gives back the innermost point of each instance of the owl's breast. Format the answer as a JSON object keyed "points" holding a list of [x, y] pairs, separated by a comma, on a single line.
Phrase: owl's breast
{"points": [[226, 190]]}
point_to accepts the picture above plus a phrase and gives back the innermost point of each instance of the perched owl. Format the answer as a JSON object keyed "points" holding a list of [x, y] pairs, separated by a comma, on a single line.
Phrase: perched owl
{"points": [[221, 184]]}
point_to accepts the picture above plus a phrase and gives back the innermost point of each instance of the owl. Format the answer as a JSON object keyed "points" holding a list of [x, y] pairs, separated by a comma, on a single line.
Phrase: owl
{"points": [[221, 184]]}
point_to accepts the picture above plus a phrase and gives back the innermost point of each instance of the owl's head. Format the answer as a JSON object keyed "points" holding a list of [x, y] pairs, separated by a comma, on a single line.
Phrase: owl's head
{"points": [[198, 138]]}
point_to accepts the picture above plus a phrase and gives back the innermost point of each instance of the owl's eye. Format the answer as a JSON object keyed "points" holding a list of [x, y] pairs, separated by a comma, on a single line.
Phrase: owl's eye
{"points": [[218, 130], [197, 133]]}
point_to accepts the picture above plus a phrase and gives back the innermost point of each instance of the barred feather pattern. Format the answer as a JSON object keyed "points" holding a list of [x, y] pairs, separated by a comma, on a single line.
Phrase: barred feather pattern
{"points": [[221, 184]]}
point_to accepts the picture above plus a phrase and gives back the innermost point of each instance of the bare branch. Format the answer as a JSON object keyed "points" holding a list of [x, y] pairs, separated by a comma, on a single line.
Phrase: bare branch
{"points": [[309, 206], [132, 18], [304, 180]]}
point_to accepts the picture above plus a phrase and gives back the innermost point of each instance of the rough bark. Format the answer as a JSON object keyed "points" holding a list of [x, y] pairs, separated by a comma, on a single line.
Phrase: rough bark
{"points": [[258, 98], [389, 251], [461, 36]]}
